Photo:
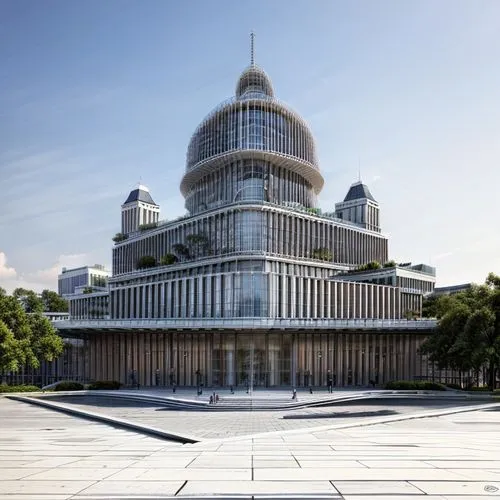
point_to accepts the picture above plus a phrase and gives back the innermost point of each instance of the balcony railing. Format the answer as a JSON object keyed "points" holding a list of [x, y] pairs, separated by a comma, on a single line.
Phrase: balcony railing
{"points": [[249, 323]]}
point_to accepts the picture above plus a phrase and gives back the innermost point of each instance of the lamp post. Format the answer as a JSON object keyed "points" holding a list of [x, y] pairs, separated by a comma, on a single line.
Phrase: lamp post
{"points": [[320, 357], [185, 356], [251, 368], [198, 383]]}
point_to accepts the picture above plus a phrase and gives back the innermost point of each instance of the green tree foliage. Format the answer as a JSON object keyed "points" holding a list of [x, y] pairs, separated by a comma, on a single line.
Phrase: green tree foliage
{"points": [[29, 300], [322, 254], [468, 333], [149, 225], [26, 338], [168, 259], [146, 261], [182, 251], [119, 237], [198, 245], [53, 302], [390, 263], [9, 350], [370, 266]]}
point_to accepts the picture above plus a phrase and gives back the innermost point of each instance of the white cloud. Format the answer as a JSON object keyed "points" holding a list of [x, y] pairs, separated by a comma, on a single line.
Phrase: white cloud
{"points": [[442, 256], [6, 272], [41, 279]]}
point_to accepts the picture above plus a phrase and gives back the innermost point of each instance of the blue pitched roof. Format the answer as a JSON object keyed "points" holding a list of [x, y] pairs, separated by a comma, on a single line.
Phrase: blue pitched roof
{"points": [[139, 195], [358, 191]]}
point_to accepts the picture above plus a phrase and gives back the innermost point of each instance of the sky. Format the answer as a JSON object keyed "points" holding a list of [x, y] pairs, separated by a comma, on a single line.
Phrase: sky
{"points": [[98, 95]]}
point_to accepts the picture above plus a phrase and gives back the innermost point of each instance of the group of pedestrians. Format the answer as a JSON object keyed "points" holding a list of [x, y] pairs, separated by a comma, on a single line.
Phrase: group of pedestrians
{"points": [[214, 398]]}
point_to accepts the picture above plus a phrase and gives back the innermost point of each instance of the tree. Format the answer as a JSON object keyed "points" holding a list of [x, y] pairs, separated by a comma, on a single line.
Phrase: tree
{"points": [[322, 254], [29, 300], [182, 251], [168, 259], [468, 332], [9, 350], [146, 261], [198, 245], [26, 338], [370, 266], [118, 237], [53, 302], [390, 263], [44, 343]]}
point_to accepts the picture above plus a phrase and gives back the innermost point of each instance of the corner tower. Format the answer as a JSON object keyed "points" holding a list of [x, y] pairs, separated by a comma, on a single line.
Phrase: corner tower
{"points": [[360, 207], [139, 209]]}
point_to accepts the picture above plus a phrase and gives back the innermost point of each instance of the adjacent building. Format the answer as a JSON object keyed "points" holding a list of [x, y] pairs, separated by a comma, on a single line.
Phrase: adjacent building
{"points": [[72, 281]]}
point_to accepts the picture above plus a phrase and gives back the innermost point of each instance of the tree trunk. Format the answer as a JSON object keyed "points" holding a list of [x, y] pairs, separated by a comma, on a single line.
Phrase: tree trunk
{"points": [[491, 375]]}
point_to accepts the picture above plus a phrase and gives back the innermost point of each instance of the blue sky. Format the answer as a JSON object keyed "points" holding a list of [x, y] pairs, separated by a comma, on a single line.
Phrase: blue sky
{"points": [[96, 95]]}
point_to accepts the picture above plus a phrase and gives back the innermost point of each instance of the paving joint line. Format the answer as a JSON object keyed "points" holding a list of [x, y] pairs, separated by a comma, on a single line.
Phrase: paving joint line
{"points": [[180, 489]]}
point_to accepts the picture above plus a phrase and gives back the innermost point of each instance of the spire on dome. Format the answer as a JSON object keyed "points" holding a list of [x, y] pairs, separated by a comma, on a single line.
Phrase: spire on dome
{"points": [[254, 79], [252, 48]]}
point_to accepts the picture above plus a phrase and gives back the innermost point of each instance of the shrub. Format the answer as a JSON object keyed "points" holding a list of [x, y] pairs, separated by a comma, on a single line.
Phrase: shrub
{"points": [[409, 385], [68, 386], [481, 388], [431, 386], [150, 225], [168, 259], [454, 386], [18, 388], [105, 385], [119, 237], [146, 261]]}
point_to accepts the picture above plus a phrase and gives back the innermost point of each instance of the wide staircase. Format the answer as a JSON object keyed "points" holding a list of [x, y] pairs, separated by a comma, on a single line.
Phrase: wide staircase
{"points": [[239, 402]]}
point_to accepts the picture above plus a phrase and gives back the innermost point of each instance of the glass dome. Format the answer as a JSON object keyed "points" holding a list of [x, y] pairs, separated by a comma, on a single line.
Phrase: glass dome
{"points": [[252, 126]]}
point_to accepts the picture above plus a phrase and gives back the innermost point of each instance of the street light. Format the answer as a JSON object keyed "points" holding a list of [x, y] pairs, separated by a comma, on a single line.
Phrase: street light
{"points": [[320, 356]]}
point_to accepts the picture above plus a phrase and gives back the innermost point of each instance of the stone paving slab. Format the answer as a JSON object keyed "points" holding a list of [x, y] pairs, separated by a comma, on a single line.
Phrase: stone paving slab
{"points": [[275, 487], [132, 488], [449, 457]]}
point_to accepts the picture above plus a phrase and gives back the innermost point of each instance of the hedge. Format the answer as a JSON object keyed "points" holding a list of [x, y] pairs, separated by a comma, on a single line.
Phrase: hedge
{"points": [[105, 385], [18, 388], [409, 385], [68, 386]]}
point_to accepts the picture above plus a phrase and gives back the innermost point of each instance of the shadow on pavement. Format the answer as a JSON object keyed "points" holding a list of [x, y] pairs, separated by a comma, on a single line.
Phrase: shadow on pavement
{"points": [[344, 414], [100, 401]]}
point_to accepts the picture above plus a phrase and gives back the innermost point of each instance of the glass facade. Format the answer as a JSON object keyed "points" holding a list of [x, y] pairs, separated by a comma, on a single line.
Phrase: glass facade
{"points": [[249, 180], [250, 288]]}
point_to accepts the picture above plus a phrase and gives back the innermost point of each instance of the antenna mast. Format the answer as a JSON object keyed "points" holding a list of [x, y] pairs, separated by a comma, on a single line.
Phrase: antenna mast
{"points": [[252, 50]]}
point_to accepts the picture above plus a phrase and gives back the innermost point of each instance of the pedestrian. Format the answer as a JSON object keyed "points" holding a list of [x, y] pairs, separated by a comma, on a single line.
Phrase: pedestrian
{"points": [[173, 387], [211, 400], [216, 398], [232, 390], [294, 394]]}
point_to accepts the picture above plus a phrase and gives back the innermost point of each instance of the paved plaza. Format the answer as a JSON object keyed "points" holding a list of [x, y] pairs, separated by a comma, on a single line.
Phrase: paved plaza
{"points": [[49, 455], [226, 424]]}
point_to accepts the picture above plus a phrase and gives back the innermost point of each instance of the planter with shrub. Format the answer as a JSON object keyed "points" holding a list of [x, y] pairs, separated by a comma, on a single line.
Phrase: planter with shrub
{"points": [[69, 386], [105, 385], [4, 388], [409, 385]]}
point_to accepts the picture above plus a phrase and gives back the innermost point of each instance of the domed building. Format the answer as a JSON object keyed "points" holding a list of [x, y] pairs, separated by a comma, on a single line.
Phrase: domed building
{"points": [[256, 285]]}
